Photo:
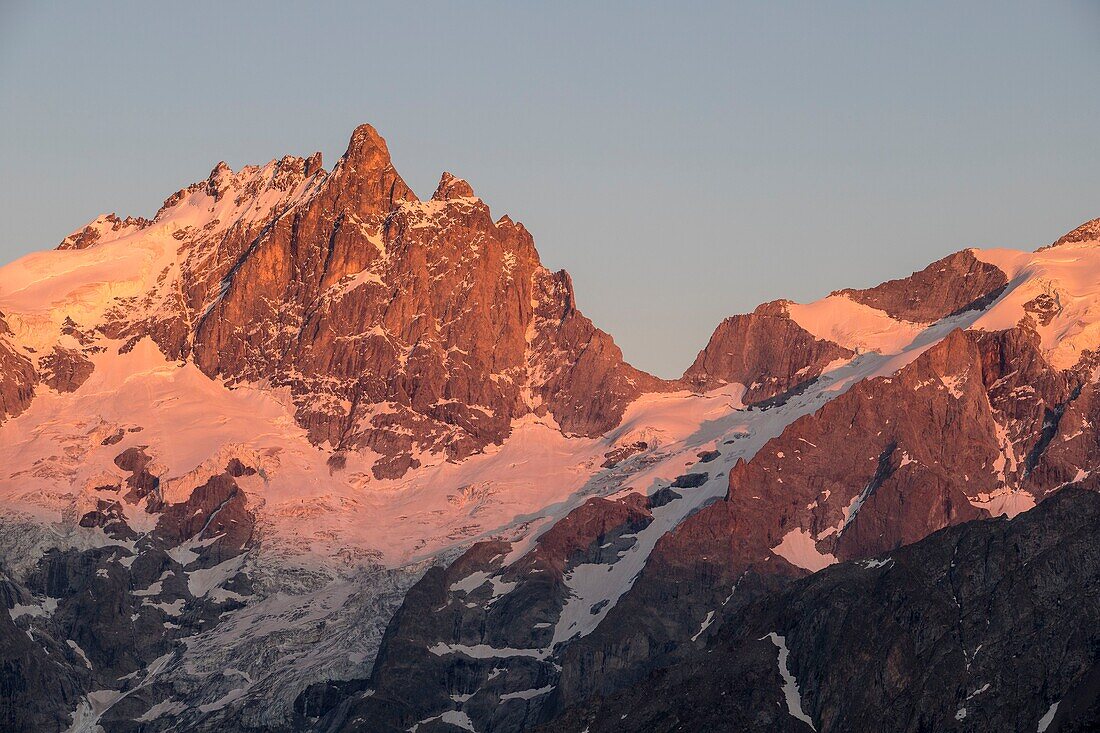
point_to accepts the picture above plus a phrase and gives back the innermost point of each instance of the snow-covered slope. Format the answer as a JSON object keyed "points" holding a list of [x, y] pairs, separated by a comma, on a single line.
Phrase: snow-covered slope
{"points": [[236, 434]]}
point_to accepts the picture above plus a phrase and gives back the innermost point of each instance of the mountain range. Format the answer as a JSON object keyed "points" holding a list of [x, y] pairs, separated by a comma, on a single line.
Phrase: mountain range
{"points": [[304, 452]]}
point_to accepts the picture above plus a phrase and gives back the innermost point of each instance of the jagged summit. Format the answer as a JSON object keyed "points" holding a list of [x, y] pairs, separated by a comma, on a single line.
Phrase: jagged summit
{"points": [[450, 188], [1087, 232], [365, 176], [314, 164], [105, 224], [402, 328], [367, 150]]}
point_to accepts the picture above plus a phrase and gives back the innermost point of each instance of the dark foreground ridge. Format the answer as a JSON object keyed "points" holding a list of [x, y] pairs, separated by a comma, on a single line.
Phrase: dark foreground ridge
{"points": [[985, 626]]}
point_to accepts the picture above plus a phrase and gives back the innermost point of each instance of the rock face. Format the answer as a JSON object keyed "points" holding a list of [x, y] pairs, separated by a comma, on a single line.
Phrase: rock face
{"points": [[64, 370], [485, 607], [932, 627], [17, 375], [886, 464], [399, 325], [83, 619], [957, 283], [363, 296], [766, 351], [1087, 232]]}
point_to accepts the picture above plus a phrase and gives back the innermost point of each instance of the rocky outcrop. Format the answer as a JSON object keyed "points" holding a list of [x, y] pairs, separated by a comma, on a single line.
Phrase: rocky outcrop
{"points": [[1087, 232], [40, 679], [65, 370], [17, 378], [766, 351], [498, 616], [94, 619], [956, 283], [108, 223]]}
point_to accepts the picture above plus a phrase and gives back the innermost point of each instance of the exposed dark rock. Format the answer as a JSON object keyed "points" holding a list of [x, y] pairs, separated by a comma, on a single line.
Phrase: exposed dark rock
{"points": [[237, 469], [476, 602], [956, 283], [17, 376], [620, 454], [690, 480], [1087, 232], [93, 619], [91, 234], [766, 351], [1045, 307], [980, 627], [141, 481], [65, 369], [663, 496]]}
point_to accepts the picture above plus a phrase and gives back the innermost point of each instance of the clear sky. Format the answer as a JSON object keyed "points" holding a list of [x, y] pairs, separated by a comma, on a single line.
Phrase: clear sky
{"points": [[683, 161]]}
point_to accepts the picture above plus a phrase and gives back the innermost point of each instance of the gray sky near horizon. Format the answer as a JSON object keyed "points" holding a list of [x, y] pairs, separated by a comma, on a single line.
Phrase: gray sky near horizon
{"points": [[683, 162]]}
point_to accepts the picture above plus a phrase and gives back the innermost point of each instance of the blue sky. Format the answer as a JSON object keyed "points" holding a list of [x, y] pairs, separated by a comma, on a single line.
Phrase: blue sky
{"points": [[684, 161]]}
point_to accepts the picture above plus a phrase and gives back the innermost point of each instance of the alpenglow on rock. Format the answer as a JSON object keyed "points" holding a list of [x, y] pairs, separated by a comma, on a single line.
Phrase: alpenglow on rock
{"points": [[304, 452]]}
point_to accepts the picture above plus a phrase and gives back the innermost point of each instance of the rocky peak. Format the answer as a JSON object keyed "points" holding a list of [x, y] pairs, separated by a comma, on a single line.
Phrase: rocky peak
{"points": [[955, 283], [1087, 232], [314, 163], [219, 180], [766, 351], [355, 294], [92, 233], [367, 149], [291, 170], [451, 188], [366, 177]]}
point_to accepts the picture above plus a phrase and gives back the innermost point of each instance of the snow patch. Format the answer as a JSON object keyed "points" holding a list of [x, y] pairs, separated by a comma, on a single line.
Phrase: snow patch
{"points": [[790, 684], [527, 694], [80, 652], [853, 325], [484, 651], [705, 625], [799, 549], [456, 718], [41, 610], [1048, 718], [201, 582]]}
